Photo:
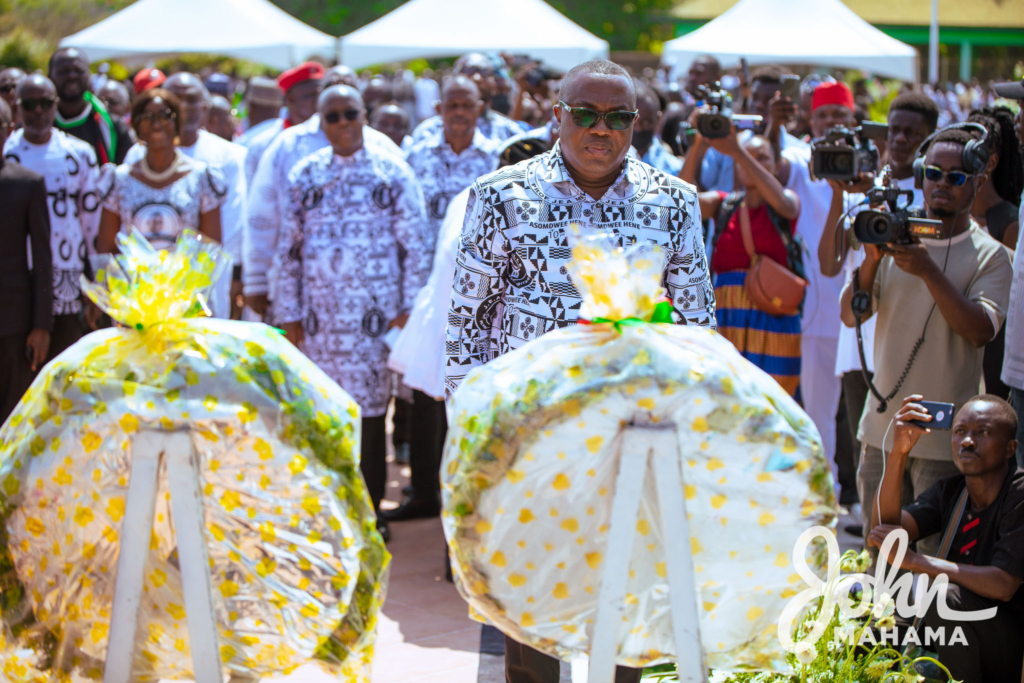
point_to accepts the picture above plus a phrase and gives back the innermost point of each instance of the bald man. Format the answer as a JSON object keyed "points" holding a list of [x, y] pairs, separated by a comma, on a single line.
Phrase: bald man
{"points": [[115, 96], [444, 167], [220, 119], [268, 204], [9, 79], [68, 166], [354, 251], [392, 120], [80, 113], [479, 69], [202, 145]]}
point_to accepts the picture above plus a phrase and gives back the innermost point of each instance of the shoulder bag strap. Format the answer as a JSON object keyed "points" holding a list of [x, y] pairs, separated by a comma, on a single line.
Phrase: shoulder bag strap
{"points": [[748, 238], [947, 537]]}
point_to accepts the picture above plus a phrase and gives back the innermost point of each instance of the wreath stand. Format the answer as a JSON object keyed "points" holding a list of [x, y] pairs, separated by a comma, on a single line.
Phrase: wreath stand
{"points": [[148, 449], [641, 447]]}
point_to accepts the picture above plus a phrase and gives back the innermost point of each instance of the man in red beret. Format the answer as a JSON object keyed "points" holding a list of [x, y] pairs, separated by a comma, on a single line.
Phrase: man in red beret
{"points": [[300, 86]]}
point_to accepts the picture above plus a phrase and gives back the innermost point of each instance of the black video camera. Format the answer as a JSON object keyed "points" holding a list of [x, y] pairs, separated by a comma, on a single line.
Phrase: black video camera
{"points": [[718, 122], [834, 161], [896, 226]]}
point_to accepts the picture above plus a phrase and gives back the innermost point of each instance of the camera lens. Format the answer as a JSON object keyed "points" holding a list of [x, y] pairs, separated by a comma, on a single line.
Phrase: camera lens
{"points": [[716, 124], [879, 226]]}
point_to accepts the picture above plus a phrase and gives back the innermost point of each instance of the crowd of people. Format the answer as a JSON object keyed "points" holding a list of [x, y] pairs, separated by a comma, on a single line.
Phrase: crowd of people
{"points": [[402, 230]]}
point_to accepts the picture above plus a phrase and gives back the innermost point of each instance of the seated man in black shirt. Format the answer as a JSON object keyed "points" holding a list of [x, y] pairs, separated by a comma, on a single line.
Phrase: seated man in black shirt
{"points": [[985, 562]]}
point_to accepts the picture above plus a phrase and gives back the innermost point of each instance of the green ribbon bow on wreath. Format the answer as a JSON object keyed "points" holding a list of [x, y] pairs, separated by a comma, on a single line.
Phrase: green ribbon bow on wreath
{"points": [[662, 314]]}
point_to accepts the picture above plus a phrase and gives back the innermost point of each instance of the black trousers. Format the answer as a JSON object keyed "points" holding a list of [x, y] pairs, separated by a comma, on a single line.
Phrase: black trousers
{"points": [[428, 427], [855, 395], [15, 372], [373, 457], [523, 664], [67, 329], [994, 652]]}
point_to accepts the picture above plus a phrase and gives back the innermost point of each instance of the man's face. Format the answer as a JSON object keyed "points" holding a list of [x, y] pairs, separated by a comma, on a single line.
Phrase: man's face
{"points": [[459, 110], [981, 442], [38, 103], [761, 94], [301, 100], [193, 104], [944, 199], [6, 126], [70, 74], [479, 70], [646, 123], [828, 116], [221, 122], [907, 130], [9, 79], [596, 152], [393, 122], [342, 118], [115, 98], [700, 73], [376, 92]]}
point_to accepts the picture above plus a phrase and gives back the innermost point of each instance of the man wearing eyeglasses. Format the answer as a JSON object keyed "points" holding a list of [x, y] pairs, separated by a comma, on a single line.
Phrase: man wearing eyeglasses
{"points": [[267, 202], [951, 292], [494, 126], [68, 166], [9, 79], [26, 307], [355, 248], [511, 282]]}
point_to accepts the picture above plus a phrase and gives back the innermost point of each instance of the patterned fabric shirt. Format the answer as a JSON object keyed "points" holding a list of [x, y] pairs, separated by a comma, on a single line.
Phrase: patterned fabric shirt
{"points": [[493, 125], [511, 281], [443, 174], [268, 201], [69, 168], [354, 251]]}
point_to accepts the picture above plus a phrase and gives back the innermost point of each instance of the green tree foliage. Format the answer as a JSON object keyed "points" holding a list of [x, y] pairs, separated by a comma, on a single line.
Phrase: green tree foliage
{"points": [[21, 48], [52, 20]]}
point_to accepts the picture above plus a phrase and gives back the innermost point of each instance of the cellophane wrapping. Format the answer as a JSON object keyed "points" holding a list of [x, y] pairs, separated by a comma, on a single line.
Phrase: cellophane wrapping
{"points": [[297, 568], [532, 455]]}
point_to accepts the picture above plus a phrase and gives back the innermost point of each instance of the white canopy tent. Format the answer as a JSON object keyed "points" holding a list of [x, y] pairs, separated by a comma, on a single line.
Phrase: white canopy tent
{"points": [[818, 32], [441, 28], [245, 29]]}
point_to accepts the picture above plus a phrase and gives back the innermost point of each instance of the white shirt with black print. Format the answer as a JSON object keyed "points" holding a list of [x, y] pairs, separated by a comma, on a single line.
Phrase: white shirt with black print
{"points": [[162, 214], [511, 281], [492, 125], [72, 176], [354, 250], [443, 174], [268, 200]]}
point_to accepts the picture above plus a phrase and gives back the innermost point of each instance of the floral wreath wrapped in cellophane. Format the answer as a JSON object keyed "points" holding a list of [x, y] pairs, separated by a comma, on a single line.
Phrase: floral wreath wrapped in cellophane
{"points": [[532, 455], [297, 568]]}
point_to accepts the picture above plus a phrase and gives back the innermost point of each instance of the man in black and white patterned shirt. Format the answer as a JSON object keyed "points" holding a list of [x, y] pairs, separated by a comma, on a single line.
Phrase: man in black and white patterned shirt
{"points": [[511, 281]]}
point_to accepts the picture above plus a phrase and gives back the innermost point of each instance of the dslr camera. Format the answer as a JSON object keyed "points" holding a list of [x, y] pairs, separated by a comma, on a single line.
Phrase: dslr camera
{"points": [[857, 154], [895, 226], [718, 122]]}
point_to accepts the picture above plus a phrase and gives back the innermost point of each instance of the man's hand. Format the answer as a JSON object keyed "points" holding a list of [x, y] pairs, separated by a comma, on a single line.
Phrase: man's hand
{"points": [[781, 110], [912, 259], [399, 321], [873, 253], [257, 302], [863, 183], [877, 537], [92, 313], [293, 332], [37, 346], [729, 145], [237, 300], [906, 435]]}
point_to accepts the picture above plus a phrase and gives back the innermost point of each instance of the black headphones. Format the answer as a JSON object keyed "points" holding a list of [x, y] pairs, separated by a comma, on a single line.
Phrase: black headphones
{"points": [[975, 155]]}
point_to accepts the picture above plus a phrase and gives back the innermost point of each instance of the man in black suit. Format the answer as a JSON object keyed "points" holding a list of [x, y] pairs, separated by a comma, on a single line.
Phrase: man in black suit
{"points": [[26, 307]]}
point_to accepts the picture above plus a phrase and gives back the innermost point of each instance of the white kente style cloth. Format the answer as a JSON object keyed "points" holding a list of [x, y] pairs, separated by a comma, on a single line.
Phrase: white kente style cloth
{"points": [[443, 174], [492, 125], [268, 201], [354, 251], [515, 247], [72, 175], [162, 214]]}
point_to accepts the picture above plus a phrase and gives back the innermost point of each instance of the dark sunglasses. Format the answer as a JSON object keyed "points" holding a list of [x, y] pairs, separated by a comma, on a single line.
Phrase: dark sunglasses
{"points": [[588, 118], [157, 117], [34, 103], [954, 178], [333, 117], [476, 70], [8, 87]]}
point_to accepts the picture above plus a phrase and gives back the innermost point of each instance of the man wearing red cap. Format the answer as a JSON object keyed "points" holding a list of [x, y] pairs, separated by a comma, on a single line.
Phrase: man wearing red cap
{"points": [[831, 106], [300, 86]]}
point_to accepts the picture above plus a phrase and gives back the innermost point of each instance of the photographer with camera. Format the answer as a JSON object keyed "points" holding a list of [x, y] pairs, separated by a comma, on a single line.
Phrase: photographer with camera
{"points": [[912, 117], [939, 300], [753, 224]]}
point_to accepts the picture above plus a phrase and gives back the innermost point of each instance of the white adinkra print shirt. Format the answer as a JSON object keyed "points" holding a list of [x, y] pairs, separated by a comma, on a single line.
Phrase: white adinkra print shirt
{"points": [[443, 174], [69, 167], [511, 269], [492, 125], [354, 251]]}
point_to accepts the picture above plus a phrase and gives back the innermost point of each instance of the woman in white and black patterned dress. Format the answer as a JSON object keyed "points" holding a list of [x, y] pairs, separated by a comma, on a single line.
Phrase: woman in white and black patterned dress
{"points": [[165, 192]]}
